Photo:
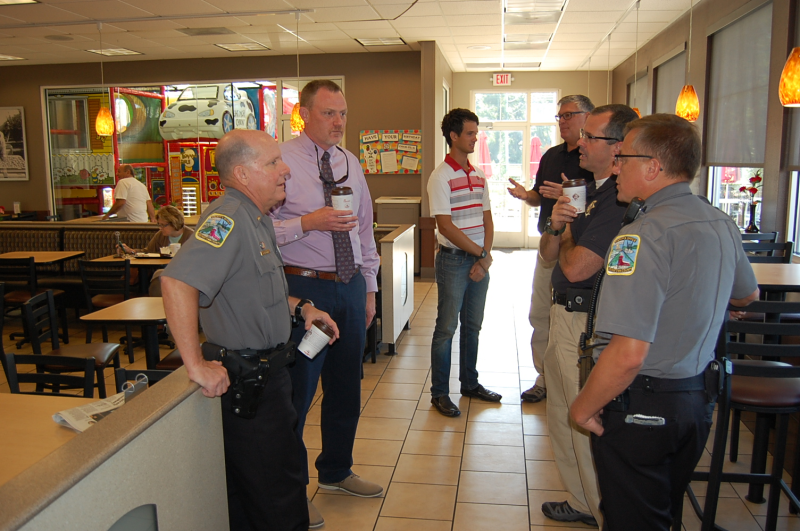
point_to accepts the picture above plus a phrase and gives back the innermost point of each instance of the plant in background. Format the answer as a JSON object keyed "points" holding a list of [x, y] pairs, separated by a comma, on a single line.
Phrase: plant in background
{"points": [[755, 186]]}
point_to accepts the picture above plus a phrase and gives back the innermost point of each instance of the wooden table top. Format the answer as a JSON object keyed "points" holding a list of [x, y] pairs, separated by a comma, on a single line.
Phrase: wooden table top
{"points": [[29, 432], [135, 262], [44, 257], [777, 276], [140, 309]]}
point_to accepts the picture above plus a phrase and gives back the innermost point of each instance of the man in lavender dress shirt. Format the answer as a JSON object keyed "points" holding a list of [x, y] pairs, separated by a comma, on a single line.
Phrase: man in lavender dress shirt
{"points": [[304, 226]]}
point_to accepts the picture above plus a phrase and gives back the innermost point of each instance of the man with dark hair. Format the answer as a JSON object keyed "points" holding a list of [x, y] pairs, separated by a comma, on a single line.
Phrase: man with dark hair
{"points": [[559, 163], [331, 257], [131, 198], [579, 241], [663, 302], [459, 199], [230, 276]]}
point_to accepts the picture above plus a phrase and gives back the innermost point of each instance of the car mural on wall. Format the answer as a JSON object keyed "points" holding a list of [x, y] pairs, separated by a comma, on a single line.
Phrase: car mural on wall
{"points": [[207, 111]]}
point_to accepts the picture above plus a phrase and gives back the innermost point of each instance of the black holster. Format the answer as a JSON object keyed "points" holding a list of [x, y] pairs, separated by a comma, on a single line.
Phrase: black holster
{"points": [[249, 372]]}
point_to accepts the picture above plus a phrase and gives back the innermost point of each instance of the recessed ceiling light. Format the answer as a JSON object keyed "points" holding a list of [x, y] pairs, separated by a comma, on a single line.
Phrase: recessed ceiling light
{"points": [[115, 51], [243, 47], [14, 2], [521, 66], [59, 38], [479, 47], [388, 41], [11, 58]]}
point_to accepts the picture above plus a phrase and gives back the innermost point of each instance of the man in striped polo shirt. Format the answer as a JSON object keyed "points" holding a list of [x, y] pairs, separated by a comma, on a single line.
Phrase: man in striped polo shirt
{"points": [[459, 199]]}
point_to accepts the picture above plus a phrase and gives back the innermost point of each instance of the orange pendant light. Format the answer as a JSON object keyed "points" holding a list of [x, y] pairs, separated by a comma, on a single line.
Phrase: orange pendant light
{"points": [[789, 87], [297, 122], [688, 106], [104, 123], [636, 110]]}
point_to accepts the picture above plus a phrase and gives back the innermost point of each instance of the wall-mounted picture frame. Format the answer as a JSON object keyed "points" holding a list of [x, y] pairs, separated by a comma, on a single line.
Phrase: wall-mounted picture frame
{"points": [[13, 149]]}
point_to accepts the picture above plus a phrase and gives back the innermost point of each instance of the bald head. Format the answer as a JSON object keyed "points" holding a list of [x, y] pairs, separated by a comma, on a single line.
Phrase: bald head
{"points": [[235, 149], [125, 170]]}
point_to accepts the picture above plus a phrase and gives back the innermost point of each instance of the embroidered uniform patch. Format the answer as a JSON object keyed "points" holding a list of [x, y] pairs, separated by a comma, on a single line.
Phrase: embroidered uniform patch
{"points": [[622, 257], [214, 230]]}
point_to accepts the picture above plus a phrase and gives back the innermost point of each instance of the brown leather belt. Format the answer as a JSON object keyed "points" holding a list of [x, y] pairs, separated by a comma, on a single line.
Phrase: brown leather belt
{"points": [[311, 273]]}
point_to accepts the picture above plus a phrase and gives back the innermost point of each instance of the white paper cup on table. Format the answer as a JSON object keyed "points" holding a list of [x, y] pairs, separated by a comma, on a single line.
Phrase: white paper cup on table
{"points": [[174, 248], [17, 208], [315, 339], [576, 191]]}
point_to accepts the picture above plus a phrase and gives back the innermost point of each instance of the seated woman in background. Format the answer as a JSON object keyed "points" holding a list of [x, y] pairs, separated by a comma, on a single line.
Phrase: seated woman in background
{"points": [[171, 230]]}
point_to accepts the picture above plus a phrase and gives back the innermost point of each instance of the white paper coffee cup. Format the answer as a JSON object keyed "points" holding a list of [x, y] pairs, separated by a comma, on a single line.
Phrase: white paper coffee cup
{"points": [[314, 340], [174, 248], [576, 191]]}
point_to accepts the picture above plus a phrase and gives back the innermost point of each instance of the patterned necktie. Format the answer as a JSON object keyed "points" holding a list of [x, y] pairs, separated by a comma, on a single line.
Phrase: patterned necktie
{"points": [[342, 247]]}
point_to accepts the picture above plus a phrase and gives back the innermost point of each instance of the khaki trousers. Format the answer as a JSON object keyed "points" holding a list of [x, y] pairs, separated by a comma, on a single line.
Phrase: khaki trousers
{"points": [[571, 445], [539, 316]]}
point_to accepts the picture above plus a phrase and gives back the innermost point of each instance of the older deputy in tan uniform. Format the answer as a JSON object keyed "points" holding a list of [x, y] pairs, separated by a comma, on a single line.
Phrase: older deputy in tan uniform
{"points": [[232, 270]]}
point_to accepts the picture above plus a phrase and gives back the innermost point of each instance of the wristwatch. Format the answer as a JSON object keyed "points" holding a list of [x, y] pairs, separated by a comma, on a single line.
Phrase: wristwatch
{"points": [[298, 310], [548, 228], [483, 254]]}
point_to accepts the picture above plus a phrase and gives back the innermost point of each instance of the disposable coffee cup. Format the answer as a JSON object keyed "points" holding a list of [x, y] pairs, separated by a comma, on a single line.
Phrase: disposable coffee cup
{"points": [[315, 339], [342, 198], [576, 191], [174, 248], [17, 208]]}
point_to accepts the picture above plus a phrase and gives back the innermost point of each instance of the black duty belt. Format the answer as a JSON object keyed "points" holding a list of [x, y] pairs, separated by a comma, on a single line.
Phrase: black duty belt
{"points": [[453, 250], [575, 300], [669, 385]]}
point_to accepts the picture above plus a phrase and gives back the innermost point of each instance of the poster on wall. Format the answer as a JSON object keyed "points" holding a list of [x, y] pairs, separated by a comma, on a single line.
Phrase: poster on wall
{"points": [[214, 188], [391, 151], [13, 152]]}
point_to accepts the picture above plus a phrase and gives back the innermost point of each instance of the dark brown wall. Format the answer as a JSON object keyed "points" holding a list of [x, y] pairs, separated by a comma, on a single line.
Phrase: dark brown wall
{"points": [[383, 92]]}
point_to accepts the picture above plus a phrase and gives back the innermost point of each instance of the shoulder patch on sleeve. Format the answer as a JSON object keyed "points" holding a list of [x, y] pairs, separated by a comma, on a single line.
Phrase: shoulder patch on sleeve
{"points": [[215, 229], [623, 254]]}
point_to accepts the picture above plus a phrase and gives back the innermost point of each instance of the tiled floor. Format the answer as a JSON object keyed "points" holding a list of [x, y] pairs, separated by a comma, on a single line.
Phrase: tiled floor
{"points": [[489, 469]]}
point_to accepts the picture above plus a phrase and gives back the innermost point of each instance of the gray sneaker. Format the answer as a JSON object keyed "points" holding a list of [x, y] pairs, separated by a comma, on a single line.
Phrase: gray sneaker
{"points": [[534, 394], [356, 486], [315, 519], [563, 512]]}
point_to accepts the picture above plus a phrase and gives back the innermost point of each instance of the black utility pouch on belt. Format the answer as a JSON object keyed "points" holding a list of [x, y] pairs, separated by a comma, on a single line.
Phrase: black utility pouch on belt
{"points": [[249, 371]]}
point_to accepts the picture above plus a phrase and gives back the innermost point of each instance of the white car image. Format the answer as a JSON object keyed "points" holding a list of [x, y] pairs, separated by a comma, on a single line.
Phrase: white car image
{"points": [[207, 111]]}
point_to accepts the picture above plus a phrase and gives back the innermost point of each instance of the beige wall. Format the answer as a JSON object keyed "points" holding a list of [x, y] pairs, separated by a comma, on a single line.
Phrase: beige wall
{"points": [[708, 15], [383, 92]]}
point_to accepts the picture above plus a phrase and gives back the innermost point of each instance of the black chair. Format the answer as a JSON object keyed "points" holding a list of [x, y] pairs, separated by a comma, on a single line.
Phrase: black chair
{"points": [[129, 375], [48, 380], [768, 389], [19, 274], [105, 285], [39, 314], [766, 237], [768, 253]]}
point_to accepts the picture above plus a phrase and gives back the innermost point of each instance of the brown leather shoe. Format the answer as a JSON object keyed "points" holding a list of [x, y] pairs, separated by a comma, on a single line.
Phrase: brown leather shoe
{"points": [[445, 406]]}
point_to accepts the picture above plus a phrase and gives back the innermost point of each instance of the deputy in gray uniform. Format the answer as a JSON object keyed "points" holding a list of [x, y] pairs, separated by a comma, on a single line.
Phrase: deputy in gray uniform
{"points": [[233, 272], [669, 278]]}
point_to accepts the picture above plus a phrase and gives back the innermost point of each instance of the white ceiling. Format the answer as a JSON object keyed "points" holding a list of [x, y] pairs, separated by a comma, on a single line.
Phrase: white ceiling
{"points": [[569, 32]]}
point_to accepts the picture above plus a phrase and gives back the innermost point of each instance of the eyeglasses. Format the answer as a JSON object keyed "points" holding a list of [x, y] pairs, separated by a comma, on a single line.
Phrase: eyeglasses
{"points": [[346, 171], [163, 225], [567, 116], [618, 157], [588, 136]]}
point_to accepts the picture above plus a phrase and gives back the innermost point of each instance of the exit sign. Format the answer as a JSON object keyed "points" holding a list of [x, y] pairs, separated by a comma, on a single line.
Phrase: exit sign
{"points": [[501, 80]]}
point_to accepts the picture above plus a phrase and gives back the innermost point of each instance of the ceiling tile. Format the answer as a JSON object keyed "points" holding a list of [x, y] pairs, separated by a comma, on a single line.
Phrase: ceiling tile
{"points": [[371, 34], [325, 4], [211, 22], [419, 22], [154, 25], [106, 9], [382, 24], [39, 13], [428, 34], [390, 11], [323, 35], [245, 6], [595, 16], [424, 10], [468, 20], [175, 7], [477, 30], [472, 7]]}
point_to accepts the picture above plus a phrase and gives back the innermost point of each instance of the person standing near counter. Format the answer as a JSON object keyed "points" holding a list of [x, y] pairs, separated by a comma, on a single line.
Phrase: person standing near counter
{"points": [[331, 257], [131, 198], [233, 272]]}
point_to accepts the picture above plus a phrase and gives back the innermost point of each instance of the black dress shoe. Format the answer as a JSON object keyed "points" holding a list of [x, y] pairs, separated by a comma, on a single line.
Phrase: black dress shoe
{"points": [[481, 393], [445, 406]]}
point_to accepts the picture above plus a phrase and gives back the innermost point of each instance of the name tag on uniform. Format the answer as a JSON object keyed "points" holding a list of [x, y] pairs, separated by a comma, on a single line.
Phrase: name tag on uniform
{"points": [[264, 252]]}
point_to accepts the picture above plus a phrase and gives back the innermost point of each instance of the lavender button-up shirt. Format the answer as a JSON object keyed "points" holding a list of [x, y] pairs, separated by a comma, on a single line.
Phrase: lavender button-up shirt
{"points": [[314, 249]]}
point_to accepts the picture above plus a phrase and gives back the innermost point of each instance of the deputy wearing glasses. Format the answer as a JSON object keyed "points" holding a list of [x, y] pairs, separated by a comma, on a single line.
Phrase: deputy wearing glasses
{"points": [[559, 163], [669, 278], [579, 242], [330, 258]]}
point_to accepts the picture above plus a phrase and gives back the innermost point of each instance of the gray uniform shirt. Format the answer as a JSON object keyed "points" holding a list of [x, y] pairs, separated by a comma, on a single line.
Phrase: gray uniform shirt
{"points": [[233, 260], [669, 277]]}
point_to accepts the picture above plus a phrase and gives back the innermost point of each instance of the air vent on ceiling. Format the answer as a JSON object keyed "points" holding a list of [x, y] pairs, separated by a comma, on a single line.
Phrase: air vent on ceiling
{"points": [[243, 47], [388, 41], [520, 6], [203, 32], [525, 45], [532, 17]]}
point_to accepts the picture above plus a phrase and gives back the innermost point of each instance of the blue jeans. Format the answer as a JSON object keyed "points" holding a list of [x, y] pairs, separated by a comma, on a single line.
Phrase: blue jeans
{"points": [[458, 295], [340, 368]]}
